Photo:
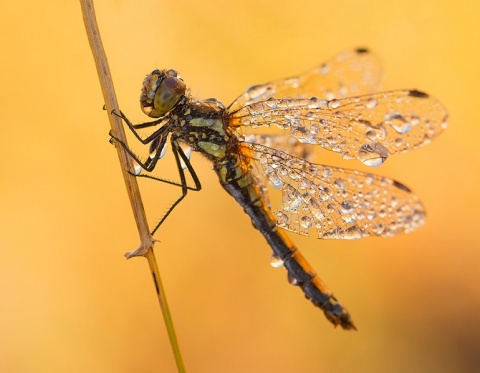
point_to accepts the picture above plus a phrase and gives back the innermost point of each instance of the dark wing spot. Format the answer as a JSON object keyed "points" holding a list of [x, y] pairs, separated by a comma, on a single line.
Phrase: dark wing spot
{"points": [[419, 94], [401, 186], [361, 50]]}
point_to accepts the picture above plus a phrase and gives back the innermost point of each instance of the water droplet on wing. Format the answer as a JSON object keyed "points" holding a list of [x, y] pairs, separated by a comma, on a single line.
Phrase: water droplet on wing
{"points": [[398, 122], [371, 103], [373, 154], [306, 221]]}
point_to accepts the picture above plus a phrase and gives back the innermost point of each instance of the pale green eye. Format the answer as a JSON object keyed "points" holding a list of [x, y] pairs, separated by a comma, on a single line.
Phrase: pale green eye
{"points": [[160, 96], [168, 94]]}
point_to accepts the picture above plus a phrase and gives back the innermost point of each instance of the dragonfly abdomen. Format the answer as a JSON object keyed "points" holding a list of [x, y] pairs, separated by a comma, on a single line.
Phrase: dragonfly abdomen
{"points": [[301, 273], [241, 186]]}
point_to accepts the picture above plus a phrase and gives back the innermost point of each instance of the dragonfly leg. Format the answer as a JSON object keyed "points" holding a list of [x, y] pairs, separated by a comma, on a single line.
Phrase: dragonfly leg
{"points": [[178, 153], [150, 164], [134, 127]]}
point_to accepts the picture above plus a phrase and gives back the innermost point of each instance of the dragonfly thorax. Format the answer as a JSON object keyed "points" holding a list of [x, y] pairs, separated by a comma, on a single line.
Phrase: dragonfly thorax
{"points": [[204, 126]]}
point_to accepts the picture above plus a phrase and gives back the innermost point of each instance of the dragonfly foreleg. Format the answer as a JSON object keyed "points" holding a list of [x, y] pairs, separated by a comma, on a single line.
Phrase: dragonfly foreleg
{"points": [[147, 165], [178, 153], [134, 127], [150, 164]]}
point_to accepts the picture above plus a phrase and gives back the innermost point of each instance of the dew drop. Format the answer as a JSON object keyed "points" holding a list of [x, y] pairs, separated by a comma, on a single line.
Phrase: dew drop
{"points": [[271, 103], [371, 103], [282, 219], [327, 172], [304, 184], [314, 129], [325, 193], [275, 181], [348, 218], [340, 184], [418, 217], [163, 151], [292, 279], [414, 120], [291, 198], [306, 222], [371, 134], [316, 210], [257, 91], [315, 103], [369, 179], [378, 229], [334, 104], [352, 233], [263, 158], [376, 133], [276, 261], [373, 154], [137, 169], [187, 153], [310, 116], [398, 123], [346, 207]]}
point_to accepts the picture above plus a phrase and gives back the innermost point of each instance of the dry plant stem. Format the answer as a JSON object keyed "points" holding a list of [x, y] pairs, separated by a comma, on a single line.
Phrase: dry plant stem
{"points": [[147, 242]]}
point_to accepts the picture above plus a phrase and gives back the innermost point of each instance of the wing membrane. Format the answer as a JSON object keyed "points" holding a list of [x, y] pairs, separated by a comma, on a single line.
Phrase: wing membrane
{"points": [[351, 73], [283, 142], [369, 128], [336, 203]]}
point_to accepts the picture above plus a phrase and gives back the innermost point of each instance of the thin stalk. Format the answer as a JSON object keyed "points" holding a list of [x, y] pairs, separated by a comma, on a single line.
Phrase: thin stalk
{"points": [[147, 241]]}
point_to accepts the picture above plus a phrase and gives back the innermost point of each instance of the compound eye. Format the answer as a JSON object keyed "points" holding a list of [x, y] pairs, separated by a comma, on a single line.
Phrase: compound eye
{"points": [[162, 89], [168, 93]]}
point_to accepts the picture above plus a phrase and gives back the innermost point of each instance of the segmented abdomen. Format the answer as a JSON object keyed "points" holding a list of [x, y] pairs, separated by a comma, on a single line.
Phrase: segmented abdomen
{"points": [[237, 180]]}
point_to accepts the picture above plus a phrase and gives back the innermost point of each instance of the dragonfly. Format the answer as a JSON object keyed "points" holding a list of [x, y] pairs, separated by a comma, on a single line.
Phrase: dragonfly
{"points": [[335, 105]]}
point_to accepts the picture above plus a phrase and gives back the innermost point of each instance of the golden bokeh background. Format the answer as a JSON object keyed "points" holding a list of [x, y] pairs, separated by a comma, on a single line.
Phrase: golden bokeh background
{"points": [[69, 299]]}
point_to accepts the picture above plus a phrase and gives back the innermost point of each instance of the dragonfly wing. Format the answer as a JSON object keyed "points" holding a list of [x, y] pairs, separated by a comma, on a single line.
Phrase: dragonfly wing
{"points": [[283, 142], [335, 203], [351, 73], [370, 127]]}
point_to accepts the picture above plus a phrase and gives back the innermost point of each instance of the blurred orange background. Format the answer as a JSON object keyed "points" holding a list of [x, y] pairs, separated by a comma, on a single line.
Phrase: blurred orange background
{"points": [[69, 299]]}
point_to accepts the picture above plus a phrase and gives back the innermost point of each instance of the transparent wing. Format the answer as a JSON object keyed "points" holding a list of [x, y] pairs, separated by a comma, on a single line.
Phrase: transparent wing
{"points": [[369, 128], [284, 143], [335, 203], [351, 73]]}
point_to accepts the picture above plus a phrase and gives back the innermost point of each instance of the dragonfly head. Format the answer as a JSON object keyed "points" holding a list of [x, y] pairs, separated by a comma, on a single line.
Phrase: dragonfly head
{"points": [[161, 91]]}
